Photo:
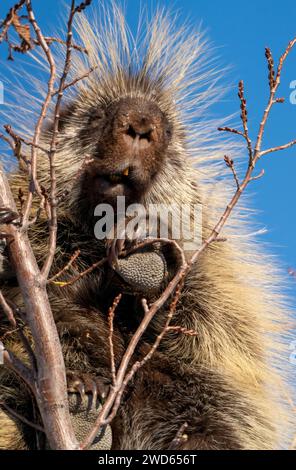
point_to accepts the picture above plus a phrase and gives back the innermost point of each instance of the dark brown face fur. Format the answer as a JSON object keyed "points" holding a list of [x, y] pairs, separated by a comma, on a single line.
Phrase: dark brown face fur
{"points": [[129, 139]]}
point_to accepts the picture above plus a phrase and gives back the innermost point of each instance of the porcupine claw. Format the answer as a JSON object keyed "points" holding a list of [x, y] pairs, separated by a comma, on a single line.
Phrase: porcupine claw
{"points": [[86, 394], [114, 248], [86, 384]]}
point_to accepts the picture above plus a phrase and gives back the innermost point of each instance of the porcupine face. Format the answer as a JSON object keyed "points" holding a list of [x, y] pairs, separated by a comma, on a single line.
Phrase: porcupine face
{"points": [[129, 140]]}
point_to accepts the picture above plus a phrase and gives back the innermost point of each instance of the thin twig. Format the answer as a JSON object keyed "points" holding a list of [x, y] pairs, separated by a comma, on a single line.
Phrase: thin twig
{"points": [[230, 129], [244, 118], [271, 100], [16, 312], [17, 366], [76, 80], [53, 222], [67, 267], [8, 311], [16, 152], [34, 185], [8, 333], [230, 163], [50, 40], [17, 139], [82, 6], [21, 418], [82, 274], [270, 63], [257, 177], [277, 149], [111, 314]]}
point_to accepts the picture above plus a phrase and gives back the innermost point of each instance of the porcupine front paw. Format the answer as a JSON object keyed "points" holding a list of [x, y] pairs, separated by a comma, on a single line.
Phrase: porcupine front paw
{"points": [[145, 270], [86, 393]]}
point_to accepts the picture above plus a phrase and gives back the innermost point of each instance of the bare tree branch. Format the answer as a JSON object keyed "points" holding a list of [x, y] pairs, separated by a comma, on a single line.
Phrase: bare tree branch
{"points": [[50, 389]]}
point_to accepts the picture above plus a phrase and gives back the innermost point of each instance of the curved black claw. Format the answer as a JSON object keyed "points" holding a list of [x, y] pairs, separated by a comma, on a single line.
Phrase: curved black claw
{"points": [[86, 384], [114, 248]]}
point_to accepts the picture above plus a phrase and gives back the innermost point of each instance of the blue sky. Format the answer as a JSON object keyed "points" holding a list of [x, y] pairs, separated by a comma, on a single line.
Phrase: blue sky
{"points": [[240, 31]]}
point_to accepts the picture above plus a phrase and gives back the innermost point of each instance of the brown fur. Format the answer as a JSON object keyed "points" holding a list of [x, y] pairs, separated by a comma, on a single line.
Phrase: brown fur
{"points": [[223, 381]]}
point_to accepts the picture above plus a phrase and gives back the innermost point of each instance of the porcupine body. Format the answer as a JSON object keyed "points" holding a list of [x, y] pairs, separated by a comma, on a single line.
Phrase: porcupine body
{"points": [[144, 109]]}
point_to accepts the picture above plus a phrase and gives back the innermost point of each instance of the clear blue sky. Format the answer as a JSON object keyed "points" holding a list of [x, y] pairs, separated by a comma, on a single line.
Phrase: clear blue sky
{"points": [[240, 30]]}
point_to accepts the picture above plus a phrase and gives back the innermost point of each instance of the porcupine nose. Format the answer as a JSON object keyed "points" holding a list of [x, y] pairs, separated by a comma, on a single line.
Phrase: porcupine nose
{"points": [[139, 121], [139, 130]]}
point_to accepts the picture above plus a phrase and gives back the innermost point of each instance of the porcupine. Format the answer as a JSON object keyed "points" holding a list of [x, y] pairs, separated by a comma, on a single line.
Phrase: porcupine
{"points": [[139, 122]]}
